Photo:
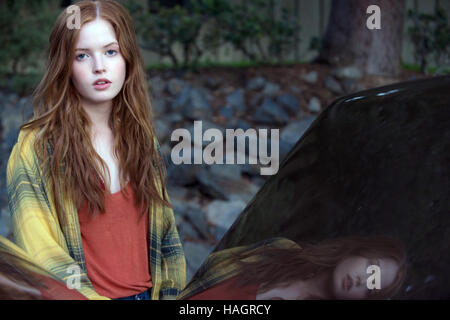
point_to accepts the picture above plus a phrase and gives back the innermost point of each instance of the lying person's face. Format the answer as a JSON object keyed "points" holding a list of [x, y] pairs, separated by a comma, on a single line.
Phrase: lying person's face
{"points": [[351, 274]]}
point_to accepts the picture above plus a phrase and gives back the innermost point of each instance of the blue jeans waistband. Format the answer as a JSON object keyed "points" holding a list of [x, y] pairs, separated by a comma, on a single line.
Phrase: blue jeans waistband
{"points": [[146, 295]]}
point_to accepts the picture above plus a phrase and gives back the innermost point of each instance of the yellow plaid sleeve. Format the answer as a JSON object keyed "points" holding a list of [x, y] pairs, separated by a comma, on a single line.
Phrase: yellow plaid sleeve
{"points": [[35, 225]]}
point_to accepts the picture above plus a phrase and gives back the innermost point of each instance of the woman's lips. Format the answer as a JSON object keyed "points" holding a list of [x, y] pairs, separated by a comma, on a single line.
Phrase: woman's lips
{"points": [[102, 86]]}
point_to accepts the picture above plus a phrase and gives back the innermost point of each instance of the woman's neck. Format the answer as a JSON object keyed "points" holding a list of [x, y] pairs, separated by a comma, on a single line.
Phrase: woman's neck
{"points": [[99, 115]]}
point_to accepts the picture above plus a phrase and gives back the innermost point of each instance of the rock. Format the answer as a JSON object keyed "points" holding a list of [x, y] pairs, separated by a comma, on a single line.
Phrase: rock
{"points": [[224, 182], [173, 117], [310, 77], [176, 192], [175, 86], [162, 129], [251, 170], [219, 232], [11, 98], [271, 113], [197, 106], [227, 112], [223, 213], [226, 171], [256, 83], [160, 106], [295, 90], [258, 181], [206, 93], [25, 105], [349, 72], [247, 195], [271, 89], [210, 187], [290, 103], [285, 148], [212, 83], [197, 218], [334, 86], [4, 222], [178, 221], [157, 86], [165, 152], [314, 105], [236, 100], [182, 174], [187, 231], [239, 124], [11, 117], [351, 86], [293, 131], [182, 98], [195, 253], [10, 140], [256, 99]]}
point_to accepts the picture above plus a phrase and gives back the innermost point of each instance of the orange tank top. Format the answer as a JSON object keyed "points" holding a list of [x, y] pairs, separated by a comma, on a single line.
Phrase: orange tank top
{"points": [[115, 246]]}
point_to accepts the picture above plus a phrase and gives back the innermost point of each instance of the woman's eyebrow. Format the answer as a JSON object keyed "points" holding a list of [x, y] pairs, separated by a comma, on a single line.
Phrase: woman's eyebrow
{"points": [[114, 42]]}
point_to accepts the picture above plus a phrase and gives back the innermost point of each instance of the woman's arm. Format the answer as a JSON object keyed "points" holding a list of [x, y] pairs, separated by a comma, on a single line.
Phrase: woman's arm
{"points": [[35, 226], [173, 262]]}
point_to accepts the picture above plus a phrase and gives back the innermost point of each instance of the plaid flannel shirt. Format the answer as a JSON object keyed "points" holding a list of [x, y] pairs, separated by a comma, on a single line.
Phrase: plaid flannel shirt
{"points": [[57, 247]]}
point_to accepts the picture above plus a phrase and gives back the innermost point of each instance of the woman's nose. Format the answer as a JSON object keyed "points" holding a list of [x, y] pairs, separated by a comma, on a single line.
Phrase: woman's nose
{"points": [[359, 281], [99, 66]]}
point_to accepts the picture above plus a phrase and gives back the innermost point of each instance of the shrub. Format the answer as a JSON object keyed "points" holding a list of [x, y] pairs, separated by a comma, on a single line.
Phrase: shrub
{"points": [[25, 27], [161, 31], [241, 24], [430, 35], [204, 25]]}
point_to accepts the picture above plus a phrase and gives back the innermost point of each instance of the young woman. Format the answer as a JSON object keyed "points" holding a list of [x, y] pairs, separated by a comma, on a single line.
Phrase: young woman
{"points": [[279, 268], [86, 182]]}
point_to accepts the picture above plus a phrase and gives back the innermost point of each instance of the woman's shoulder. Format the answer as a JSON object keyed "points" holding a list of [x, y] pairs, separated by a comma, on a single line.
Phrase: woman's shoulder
{"points": [[25, 141], [23, 153]]}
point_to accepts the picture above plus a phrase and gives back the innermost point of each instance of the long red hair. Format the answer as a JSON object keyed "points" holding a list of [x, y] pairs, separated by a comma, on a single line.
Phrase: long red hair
{"points": [[62, 123]]}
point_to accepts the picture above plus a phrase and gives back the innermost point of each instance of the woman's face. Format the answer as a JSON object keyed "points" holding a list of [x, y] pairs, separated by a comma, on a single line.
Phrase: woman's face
{"points": [[350, 276], [97, 56]]}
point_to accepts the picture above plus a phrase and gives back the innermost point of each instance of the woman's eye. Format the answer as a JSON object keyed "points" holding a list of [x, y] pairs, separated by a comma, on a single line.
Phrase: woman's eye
{"points": [[112, 52], [79, 57]]}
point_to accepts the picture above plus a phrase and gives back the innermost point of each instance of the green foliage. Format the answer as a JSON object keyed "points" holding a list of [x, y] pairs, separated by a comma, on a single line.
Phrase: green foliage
{"points": [[160, 32], [25, 27], [316, 43], [430, 35], [251, 25], [205, 25]]}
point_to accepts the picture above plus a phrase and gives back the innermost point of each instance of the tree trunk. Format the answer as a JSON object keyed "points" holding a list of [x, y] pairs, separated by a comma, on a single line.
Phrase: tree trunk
{"points": [[348, 41]]}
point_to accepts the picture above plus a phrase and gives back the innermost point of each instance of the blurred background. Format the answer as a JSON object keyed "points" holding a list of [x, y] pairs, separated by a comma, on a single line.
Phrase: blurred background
{"points": [[233, 64]]}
